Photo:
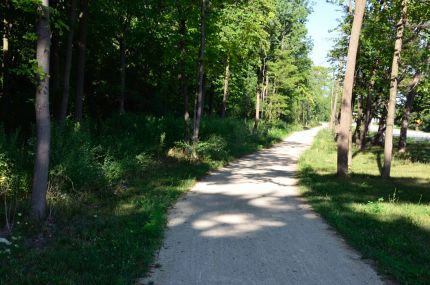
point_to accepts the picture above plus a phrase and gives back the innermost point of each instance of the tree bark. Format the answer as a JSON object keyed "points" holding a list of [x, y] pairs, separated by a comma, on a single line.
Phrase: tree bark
{"points": [[68, 63], [83, 23], [333, 106], [226, 81], [346, 110], [183, 77], [407, 111], [43, 127], [264, 95], [257, 98], [388, 148], [360, 120], [5, 95], [368, 112], [379, 137], [123, 48], [198, 110]]}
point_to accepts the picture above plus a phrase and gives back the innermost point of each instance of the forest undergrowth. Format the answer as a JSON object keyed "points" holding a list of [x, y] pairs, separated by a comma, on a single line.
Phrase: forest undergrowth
{"points": [[110, 187]]}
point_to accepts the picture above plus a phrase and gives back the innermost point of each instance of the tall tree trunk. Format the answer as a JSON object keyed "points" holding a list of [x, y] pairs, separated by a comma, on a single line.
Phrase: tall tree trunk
{"points": [[43, 127], [378, 139], [368, 112], [123, 70], [360, 120], [55, 66], [407, 111], [183, 77], [346, 110], [68, 63], [388, 148], [198, 110], [82, 43], [333, 106], [264, 95], [257, 99], [226, 81], [5, 95]]}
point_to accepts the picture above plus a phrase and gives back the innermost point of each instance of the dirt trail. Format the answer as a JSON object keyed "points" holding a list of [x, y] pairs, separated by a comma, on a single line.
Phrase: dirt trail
{"points": [[246, 224]]}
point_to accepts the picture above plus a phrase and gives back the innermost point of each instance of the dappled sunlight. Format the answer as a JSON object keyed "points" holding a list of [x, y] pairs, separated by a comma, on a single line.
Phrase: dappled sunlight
{"points": [[249, 219], [232, 225]]}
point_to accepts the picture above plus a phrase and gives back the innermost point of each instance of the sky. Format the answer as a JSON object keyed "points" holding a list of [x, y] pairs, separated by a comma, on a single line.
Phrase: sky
{"points": [[321, 21]]}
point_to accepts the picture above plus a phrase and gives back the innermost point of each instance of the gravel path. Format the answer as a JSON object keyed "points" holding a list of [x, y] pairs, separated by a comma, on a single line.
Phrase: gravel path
{"points": [[247, 224]]}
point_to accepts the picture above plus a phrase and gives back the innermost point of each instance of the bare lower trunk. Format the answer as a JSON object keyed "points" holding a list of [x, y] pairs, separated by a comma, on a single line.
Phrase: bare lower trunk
{"points": [[183, 78], [367, 113], [346, 110], [82, 43], [123, 74], [379, 136], [257, 107], [264, 95], [360, 121], [333, 106], [257, 99], [55, 66], [226, 81], [68, 63], [407, 111], [198, 110], [5, 95], [388, 148], [350, 151], [43, 127]]}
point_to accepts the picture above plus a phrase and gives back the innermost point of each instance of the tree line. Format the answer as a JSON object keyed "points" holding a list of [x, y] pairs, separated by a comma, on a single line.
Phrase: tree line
{"points": [[90, 59], [382, 56]]}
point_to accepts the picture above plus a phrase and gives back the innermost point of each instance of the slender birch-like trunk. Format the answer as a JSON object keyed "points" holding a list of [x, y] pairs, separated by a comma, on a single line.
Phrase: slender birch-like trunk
{"points": [[388, 147], [43, 120], [346, 108]]}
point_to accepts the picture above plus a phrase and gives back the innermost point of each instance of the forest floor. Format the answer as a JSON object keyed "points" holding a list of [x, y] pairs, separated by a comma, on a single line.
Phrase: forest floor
{"points": [[387, 220], [248, 224]]}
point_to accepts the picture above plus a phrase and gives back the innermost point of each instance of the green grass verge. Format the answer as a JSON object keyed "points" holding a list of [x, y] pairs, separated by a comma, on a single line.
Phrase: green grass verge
{"points": [[387, 220], [107, 232]]}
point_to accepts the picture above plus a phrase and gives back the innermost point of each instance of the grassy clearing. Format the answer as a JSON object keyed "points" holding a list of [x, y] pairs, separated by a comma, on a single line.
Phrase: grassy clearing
{"points": [[387, 220], [110, 190]]}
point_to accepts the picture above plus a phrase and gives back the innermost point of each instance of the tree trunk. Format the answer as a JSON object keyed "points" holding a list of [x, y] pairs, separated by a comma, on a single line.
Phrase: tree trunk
{"points": [[68, 63], [346, 110], [43, 128], [407, 111], [379, 137], [123, 70], [367, 112], [5, 95], [198, 110], [350, 151], [257, 100], [360, 120], [265, 92], [55, 67], [83, 23], [226, 81], [183, 77], [333, 106], [388, 148]]}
